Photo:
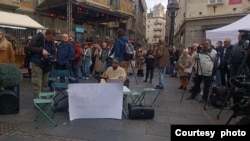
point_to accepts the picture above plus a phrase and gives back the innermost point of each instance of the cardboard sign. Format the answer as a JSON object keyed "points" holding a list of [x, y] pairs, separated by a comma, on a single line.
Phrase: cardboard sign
{"points": [[95, 100]]}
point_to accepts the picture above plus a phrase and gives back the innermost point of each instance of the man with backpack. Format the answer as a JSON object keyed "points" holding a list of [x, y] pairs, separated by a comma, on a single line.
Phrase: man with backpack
{"points": [[120, 48], [41, 49]]}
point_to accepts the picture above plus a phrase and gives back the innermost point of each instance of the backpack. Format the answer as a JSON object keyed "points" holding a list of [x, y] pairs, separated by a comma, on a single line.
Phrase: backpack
{"points": [[129, 51], [27, 51], [218, 97]]}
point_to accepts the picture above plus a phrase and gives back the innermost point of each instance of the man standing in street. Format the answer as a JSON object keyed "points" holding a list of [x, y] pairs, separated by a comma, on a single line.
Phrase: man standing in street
{"points": [[162, 61], [225, 53], [120, 47], [174, 57], [40, 48], [77, 57], [65, 54], [205, 70]]}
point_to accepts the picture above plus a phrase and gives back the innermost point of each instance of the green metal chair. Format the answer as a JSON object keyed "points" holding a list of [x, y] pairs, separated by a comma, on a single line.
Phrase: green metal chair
{"points": [[139, 97], [45, 108], [59, 80]]}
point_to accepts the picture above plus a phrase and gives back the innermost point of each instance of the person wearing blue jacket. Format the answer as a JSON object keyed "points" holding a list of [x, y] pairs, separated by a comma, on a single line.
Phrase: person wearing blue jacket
{"points": [[119, 48], [65, 54]]}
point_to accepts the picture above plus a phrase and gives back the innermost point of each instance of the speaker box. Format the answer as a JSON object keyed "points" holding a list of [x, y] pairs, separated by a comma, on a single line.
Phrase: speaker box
{"points": [[9, 100], [141, 112]]}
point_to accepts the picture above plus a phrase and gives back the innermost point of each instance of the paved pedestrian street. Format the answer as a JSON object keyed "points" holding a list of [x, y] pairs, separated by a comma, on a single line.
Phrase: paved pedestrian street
{"points": [[21, 126]]}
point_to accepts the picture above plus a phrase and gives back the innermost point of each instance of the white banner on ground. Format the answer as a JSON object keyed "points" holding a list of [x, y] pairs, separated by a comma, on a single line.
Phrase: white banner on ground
{"points": [[95, 100]]}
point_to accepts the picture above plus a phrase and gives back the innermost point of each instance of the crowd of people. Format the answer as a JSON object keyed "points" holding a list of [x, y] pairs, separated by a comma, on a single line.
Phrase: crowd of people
{"points": [[105, 60], [212, 65]]}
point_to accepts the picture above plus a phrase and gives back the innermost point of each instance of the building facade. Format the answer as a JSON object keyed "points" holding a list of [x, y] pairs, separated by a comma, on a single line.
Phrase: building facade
{"points": [[156, 24], [196, 16], [98, 19], [140, 11]]}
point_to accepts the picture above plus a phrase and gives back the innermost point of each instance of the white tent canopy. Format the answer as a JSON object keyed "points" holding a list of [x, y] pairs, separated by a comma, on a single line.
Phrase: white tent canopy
{"points": [[18, 20], [229, 31]]}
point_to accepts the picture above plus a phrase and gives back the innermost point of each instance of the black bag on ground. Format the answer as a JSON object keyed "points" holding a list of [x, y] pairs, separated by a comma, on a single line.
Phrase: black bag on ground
{"points": [[218, 97], [140, 112], [61, 103]]}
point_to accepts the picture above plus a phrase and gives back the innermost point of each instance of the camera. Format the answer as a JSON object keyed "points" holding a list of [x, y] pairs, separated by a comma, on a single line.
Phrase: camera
{"points": [[245, 34], [48, 59], [199, 48]]}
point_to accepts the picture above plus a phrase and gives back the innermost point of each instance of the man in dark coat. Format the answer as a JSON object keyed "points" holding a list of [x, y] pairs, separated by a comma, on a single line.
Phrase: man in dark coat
{"points": [[41, 48]]}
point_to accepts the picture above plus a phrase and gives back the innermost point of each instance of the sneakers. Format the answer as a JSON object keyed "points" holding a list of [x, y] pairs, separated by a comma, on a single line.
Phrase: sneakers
{"points": [[87, 78], [158, 87], [145, 81]]}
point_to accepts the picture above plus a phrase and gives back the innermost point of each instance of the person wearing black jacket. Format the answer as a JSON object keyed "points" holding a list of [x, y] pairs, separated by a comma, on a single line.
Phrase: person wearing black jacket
{"points": [[42, 50], [110, 53], [219, 48], [174, 56], [225, 53], [150, 63]]}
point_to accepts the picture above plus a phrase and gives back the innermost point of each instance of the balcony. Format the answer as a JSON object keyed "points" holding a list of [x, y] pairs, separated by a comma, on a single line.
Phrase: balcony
{"points": [[10, 4], [158, 23], [157, 29], [157, 36]]}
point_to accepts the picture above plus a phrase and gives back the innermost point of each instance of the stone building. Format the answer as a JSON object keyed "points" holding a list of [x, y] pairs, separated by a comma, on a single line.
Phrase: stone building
{"points": [[196, 16], [97, 19], [156, 24]]}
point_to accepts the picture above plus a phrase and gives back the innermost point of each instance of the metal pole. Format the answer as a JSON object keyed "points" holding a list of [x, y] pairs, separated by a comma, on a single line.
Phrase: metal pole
{"points": [[171, 34], [69, 16]]}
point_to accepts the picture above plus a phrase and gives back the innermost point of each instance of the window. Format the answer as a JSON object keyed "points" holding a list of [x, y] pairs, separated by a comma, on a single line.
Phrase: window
{"points": [[214, 1], [110, 2], [117, 6]]}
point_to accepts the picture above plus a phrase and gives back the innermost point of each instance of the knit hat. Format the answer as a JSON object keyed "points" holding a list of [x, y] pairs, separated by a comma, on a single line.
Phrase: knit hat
{"points": [[116, 60]]}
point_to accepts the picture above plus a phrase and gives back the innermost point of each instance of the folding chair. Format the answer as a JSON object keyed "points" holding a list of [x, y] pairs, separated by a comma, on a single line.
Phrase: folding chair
{"points": [[138, 97], [135, 96], [45, 108], [59, 81]]}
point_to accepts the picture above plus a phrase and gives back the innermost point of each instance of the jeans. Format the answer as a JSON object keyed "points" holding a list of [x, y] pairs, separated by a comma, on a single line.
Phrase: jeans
{"points": [[86, 68], [160, 76], [75, 67], [172, 69], [218, 77]]}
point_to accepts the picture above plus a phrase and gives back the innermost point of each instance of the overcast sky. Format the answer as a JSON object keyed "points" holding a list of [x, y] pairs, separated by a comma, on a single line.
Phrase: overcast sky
{"points": [[152, 3]]}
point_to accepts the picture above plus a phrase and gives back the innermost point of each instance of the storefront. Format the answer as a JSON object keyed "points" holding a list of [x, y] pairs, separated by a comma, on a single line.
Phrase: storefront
{"points": [[18, 29]]}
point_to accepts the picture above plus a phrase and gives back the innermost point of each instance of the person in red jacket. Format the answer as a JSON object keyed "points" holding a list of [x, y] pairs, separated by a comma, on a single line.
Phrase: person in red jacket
{"points": [[77, 58]]}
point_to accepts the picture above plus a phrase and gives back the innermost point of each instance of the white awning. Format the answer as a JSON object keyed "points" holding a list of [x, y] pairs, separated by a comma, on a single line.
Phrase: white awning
{"points": [[18, 20]]}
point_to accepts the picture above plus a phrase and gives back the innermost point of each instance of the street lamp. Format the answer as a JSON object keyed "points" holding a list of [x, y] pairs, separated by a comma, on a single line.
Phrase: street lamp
{"points": [[172, 8]]}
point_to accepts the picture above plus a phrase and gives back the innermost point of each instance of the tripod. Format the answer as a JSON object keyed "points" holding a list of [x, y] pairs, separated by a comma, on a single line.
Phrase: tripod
{"points": [[215, 64], [197, 64]]}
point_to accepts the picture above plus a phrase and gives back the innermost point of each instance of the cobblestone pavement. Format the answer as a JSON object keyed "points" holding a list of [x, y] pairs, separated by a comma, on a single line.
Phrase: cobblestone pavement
{"points": [[21, 126]]}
